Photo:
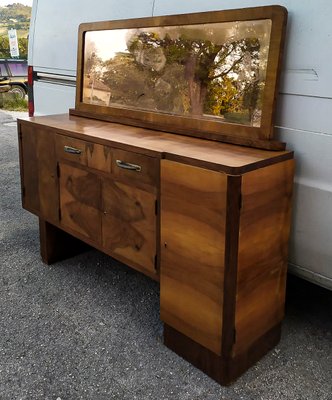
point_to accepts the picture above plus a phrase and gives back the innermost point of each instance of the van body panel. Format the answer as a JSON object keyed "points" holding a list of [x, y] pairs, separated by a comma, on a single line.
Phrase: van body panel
{"points": [[59, 98], [54, 28], [303, 108], [304, 113], [310, 254]]}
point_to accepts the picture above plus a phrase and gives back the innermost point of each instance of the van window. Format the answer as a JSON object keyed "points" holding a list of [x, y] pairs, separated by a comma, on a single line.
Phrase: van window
{"points": [[3, 70], [18, 69]]}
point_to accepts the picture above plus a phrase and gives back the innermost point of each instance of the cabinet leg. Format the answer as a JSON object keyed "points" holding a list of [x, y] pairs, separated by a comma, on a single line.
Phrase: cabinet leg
{"points": [[196, 354], [57, 245], [223, 369]]}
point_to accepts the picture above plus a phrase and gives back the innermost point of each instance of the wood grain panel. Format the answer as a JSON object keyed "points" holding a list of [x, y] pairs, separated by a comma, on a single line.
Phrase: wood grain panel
{"points": [[263, 247], [99, 157], [224, 157], [39, 172], [80, 198], [129, 223], [91, 154], [192, 251]]}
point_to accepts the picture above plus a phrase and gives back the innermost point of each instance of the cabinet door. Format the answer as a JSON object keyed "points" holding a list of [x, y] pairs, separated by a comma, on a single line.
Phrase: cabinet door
{"points": [[129, 224], [38, 171], [193, 205], [80, 197]]}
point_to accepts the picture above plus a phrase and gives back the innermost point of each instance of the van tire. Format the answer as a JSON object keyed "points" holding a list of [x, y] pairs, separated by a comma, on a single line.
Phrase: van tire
{"points": [[19, 91]]}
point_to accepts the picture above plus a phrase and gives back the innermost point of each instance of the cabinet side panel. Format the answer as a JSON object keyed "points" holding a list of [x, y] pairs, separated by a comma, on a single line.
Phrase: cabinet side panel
{"points": [[39, 172], [193, 202], [263, 248]]}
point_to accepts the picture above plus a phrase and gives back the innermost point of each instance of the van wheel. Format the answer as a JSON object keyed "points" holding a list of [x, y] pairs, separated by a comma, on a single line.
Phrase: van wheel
{"points": [[18, 91]]}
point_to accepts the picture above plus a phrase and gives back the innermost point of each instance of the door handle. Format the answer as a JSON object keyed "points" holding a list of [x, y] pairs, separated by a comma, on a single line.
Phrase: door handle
{"points": [[72, 150], [125, 165]]}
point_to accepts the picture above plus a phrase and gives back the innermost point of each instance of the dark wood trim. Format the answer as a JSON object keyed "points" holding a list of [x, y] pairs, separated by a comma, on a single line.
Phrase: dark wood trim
{"points": [[221, 369], [236, 366], [158, 221], [233, 209], [21, 163], [195, 353]]}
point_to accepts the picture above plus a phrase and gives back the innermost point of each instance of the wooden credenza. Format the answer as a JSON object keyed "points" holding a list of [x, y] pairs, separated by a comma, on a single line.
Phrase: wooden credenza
{"points": [[209, 220]]}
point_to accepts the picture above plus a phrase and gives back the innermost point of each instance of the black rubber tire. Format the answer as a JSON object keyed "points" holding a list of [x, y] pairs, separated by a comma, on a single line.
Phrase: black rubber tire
{"points": [[18, 90]]}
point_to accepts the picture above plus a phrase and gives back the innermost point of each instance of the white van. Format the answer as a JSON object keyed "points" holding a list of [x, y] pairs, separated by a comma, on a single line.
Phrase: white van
{"points": [[304, 105]]}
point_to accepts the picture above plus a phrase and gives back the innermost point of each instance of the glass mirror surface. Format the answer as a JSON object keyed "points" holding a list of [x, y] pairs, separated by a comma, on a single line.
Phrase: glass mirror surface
{"points": [[214, 70]]}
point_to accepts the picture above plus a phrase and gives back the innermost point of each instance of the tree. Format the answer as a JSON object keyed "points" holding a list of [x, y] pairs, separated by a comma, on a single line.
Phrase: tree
{"points": [[187, 70], [205, 63], [23, 47], [250, 97], [129, 83], [4, 47], [222, 97], [5, 51]]}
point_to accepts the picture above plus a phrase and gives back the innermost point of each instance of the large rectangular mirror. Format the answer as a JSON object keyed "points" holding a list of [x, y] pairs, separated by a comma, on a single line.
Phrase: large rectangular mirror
{"points": [[211, 74]]}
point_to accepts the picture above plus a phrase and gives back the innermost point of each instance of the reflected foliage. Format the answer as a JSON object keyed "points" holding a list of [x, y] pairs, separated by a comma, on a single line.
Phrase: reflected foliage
{"points": [[190, 70]]}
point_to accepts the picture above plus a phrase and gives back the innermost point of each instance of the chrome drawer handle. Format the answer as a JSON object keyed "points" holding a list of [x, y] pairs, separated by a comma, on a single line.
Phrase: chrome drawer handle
{"points": [[125, 165], [72, 150]]}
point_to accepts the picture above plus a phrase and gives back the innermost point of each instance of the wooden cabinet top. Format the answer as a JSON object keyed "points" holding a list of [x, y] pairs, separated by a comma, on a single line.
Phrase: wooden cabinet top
{"points": [[228, 158]]}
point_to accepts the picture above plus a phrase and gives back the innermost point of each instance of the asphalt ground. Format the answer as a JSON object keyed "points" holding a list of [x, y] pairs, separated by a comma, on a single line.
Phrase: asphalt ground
{"points": [[89, 328]]}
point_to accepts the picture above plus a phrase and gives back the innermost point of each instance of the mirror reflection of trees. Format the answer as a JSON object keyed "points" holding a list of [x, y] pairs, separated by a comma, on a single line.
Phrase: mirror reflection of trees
{"points": [[214, 71]]}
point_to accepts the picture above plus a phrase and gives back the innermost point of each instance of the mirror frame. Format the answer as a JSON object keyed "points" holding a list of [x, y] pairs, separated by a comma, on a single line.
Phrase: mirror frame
{"points": [[261, 137]]}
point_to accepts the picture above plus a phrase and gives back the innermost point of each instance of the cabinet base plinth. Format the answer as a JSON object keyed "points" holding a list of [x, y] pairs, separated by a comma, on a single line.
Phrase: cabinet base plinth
{"points": [[222, 369], [57, 245]]}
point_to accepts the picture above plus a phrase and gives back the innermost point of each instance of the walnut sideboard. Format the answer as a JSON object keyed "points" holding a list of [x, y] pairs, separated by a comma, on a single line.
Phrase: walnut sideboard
{"points": [[209, 220]]}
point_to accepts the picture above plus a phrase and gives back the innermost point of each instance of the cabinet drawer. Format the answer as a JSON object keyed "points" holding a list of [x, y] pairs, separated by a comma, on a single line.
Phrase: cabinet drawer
{"points": [[133, 166], [90, 154]]}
